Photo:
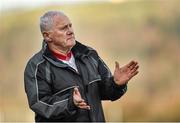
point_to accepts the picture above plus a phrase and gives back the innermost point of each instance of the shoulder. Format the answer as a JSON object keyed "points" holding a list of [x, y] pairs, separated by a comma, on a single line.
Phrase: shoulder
{"points": [[86, 50], [34, 61], [93, 53]]}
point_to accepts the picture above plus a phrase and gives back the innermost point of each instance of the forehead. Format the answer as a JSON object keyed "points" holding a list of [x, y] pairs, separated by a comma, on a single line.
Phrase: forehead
{"points": [[61, 20]]}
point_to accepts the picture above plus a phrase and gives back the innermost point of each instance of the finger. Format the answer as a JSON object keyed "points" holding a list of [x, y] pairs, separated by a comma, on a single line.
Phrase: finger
{"points": [[131, 63], [134, 69], [80, 101], [85, 107], [76, 91], [133, 74], [82, 104], [116, 65]]}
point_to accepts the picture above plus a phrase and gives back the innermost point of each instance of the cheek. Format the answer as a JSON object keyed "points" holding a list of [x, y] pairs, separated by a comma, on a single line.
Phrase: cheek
{"points": [[59, 36]]}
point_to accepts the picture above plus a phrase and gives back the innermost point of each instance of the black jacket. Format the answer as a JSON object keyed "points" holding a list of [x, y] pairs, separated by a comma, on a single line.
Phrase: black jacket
{"points": [[49, 85]]}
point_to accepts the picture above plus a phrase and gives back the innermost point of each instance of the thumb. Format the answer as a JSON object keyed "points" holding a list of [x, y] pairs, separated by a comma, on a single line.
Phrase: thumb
{"points": [[116, 65], [76, 91]]}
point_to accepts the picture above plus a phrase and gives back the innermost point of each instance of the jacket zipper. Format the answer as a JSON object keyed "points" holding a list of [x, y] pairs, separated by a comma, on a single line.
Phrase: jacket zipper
{"points": [[91, 116]]}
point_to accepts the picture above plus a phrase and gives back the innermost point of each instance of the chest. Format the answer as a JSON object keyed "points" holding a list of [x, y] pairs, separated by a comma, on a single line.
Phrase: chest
{"points": [[63, 78]]}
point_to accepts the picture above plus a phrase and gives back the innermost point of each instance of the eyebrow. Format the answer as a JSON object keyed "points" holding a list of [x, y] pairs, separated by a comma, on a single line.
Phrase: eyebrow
{"points": [[62, 26]]}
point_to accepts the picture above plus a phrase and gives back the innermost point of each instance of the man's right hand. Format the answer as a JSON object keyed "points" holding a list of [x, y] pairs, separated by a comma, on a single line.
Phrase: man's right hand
{"points": [[78, 101]]}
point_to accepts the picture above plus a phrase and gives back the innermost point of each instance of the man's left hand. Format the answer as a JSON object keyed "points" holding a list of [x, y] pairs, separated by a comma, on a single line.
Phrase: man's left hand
{"points": [[123, 74]]}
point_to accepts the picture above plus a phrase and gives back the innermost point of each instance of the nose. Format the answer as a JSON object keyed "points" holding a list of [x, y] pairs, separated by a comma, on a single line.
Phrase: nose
{"points": [[70, 30]]}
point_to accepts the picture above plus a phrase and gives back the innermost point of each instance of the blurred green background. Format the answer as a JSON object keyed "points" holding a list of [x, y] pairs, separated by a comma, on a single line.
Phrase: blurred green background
{"points": [[144, 30]]}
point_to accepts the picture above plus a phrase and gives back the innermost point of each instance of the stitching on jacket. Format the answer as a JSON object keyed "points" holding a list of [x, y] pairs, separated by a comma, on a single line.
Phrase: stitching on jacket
{"points": [[65, 90], [36, 78], [61, 101], [54, 102], [37, 87], [48, 73], [94, 81]]}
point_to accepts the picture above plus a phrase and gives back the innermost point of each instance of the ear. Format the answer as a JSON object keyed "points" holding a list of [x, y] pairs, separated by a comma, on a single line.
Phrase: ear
{"points": [[47, 36]]}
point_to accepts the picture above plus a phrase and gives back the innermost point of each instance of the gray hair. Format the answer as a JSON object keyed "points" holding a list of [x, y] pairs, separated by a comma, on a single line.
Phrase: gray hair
{"points": [[46, 21]]}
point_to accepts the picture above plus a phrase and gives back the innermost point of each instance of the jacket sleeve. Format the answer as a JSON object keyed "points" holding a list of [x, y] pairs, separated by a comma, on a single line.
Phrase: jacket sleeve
{"points": [[108, 89], [40, 97]]}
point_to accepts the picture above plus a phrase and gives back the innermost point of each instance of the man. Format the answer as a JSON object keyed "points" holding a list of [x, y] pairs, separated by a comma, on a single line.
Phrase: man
{"points": [[67, 80]]}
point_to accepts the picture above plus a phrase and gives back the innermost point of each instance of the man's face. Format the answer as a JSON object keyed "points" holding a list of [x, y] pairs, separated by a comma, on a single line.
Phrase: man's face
{"points": [[61, 33]]}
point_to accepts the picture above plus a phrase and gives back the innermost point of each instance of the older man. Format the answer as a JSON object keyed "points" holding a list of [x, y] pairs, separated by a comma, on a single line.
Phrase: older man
{"points": [[66, 80]]}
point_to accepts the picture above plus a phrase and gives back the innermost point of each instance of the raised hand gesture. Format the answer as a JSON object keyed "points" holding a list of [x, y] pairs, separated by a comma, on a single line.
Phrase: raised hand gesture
{"points": [[123, 74]]}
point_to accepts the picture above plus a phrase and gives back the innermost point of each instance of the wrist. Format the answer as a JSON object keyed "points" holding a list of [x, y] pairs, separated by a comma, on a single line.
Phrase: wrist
{"points": [[117, 83]]}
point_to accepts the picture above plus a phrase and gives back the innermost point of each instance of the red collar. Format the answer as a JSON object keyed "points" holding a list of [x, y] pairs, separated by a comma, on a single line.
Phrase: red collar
{"points": [[61, 56]]}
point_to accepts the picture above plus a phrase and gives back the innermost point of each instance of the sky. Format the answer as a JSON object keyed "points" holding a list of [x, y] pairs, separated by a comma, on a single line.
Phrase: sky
{"points": [[10, 4]]}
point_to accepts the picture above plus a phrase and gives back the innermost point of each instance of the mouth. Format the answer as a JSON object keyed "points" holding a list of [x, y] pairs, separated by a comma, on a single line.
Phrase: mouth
{"points": [[70, 38]]}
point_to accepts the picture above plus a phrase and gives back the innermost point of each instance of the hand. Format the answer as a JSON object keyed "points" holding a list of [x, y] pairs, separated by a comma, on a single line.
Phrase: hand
{"points": [[123, 74], [78, 101]]}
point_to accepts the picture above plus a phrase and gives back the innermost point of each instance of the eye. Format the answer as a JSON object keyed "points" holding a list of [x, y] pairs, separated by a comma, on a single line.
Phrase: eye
{"points": [[63, 28]]}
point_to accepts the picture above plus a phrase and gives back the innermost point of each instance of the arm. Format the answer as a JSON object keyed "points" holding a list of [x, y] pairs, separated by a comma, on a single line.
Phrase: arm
{"points": [[40, 97], [109, 90], [113, 87]]}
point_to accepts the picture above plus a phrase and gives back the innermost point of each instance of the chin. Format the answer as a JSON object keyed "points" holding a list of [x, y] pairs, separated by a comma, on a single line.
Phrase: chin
{"points": [[71, 43]]}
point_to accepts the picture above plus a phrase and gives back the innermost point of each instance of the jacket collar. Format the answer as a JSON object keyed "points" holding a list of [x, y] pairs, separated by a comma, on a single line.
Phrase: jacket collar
{"points": [[79, 51]]}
